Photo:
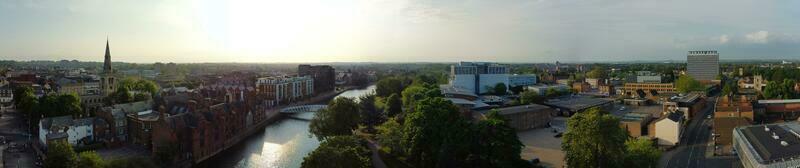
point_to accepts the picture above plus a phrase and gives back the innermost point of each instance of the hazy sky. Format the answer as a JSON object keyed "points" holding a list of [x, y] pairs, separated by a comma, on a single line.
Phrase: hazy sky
{"points": [[397, 30]]}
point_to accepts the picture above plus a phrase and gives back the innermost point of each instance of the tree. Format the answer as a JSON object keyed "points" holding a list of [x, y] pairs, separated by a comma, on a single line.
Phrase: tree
{"points": [[69, 104], [60, 155], [552, 92], [686, 84], [388, 86], [370, 114], [529, 97], [339, 152], [594, 139], [122, 95], [772, 90], [727, 90], [787, 89], [340, 118], [498, 144], [434, 134], [22, 92], [90, 159], [394, 105], [412, 94], [516, 89], [390, 133], [640, 152], [500, 89], [146, 86], [597, 72]]}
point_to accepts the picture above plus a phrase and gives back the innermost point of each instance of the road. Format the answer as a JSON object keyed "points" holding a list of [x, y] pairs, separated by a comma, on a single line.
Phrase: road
{"points": [[14, 129], [691, 151]]}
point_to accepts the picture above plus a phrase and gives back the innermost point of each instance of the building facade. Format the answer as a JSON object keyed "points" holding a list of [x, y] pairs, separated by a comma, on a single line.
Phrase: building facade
{"points": [[324, 77], [702, 65], [478, 76], [285, 90]]}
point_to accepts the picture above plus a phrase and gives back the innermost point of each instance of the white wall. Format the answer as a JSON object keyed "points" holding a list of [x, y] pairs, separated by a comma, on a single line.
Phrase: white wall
{"points": [[667, 132], [466, 82], [79, 132]]}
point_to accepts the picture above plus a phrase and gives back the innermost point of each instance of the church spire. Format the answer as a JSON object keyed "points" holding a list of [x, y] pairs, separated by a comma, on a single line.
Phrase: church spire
{"points": [[107, 62]]}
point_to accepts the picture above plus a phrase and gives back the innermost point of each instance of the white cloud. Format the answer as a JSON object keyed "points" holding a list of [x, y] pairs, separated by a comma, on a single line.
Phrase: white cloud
{"points": [[723, 39], [758, 37]]}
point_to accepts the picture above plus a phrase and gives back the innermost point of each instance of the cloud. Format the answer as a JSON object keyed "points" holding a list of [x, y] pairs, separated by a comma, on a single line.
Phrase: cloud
{"points": [[723, 39], [758, 37]]}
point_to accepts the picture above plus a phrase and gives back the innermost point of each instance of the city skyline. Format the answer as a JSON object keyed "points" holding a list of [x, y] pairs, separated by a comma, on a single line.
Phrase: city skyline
{"points": [[396, 31]]}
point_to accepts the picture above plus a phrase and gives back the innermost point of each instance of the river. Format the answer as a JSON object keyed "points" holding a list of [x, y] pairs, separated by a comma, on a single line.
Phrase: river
{"points": [[283, 144]]}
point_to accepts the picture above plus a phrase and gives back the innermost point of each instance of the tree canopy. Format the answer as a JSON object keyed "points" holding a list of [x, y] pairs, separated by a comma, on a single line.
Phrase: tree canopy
{"points": [[686, 84], [594, 139], [498, 143], [340, 118], [60, 155], [394, 105], [90, 159], [339, 152], [434, 134], [530, 97], [500, 89], [389, 86], [640, 152]]}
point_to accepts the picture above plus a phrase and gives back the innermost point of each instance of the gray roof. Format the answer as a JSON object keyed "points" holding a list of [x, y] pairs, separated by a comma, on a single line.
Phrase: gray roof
{"points": [[578, 103], [61, 121], [522, 108], [675, 116], [768, 148]]}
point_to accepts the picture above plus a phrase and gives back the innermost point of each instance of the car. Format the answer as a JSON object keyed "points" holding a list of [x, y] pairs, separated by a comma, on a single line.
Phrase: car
{"points": [[558, 135], [709, 117], [534, 161]]}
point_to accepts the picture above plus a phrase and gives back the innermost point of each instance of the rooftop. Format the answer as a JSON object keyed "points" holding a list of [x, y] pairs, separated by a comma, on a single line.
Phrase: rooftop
{"points": [[578, 103], [779, 101], [521, 108], [635, 117], [769, 149]]}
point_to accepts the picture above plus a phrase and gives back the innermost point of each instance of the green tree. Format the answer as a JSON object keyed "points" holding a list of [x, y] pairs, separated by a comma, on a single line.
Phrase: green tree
{"points": [[787, 89], [686, 84], [772, 90], [60, 155], [339, 152], [48, 105], [69, 104], [498, 144], [434, 134], [340, 118], [147, 86], [727, 90], [412, 94], [90, 159], [594, 139], [552, 92], [21, 92], [122, 95], [640, 152], [500, 89], [598, 72], [394, 105], [529, 97], [370, 114], [388, 86], [516, 89], [390, 133]]}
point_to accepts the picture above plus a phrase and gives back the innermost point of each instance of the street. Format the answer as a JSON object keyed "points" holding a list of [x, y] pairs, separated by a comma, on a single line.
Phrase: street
{"points": [[14, 129], [692, 150]]}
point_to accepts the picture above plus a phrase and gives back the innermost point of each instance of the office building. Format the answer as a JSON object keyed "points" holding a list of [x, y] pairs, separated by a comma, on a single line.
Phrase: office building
{"points": [[324, 77], [478, 76], [703, 65]]}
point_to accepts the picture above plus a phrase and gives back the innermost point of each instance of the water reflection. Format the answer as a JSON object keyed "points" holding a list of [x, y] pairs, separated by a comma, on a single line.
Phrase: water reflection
{"points": [[283, 144]]}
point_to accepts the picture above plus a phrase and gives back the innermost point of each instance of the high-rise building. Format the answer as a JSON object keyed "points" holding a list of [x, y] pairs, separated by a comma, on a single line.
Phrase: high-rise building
{"points": [[703, 65], [324, 76]]}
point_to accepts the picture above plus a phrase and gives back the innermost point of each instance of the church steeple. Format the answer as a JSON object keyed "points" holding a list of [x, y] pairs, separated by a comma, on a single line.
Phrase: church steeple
{"points": [[107, 63]]}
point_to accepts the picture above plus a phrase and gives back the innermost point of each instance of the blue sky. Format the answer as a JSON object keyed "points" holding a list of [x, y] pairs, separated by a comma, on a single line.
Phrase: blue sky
{"points": [[397, 30]]}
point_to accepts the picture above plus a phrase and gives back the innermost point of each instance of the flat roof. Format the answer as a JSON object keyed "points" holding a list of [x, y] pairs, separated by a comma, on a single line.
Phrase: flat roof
{"points": [[578, 103], [779, 101], [635, 117], [521, 108], [770, 149]]}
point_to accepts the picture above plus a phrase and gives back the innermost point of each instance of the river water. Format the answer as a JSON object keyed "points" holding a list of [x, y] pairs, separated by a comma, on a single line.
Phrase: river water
{"points": [[283, 144]]}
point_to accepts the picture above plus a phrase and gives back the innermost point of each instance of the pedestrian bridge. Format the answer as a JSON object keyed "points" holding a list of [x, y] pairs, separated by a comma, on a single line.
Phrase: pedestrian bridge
{"points": [[303, 108]]}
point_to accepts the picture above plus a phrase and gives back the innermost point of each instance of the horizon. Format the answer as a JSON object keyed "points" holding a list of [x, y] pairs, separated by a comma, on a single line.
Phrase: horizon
{"points": [[396, 31]]}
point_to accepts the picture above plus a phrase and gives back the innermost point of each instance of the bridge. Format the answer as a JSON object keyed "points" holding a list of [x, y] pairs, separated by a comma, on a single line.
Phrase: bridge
{"points": [[290, 111]]}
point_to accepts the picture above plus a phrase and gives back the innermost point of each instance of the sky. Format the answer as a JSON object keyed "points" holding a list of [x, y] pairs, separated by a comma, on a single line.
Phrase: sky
{"points": [[268, 31]]}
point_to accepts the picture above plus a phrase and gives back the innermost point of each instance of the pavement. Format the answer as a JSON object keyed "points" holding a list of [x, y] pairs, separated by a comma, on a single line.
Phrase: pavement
{"points": [[540, 143], [694, 149], [377, 161], [14, 129]]}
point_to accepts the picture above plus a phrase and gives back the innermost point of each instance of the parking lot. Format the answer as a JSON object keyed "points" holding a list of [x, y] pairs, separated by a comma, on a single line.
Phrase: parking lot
{"points": [[541, 143]]}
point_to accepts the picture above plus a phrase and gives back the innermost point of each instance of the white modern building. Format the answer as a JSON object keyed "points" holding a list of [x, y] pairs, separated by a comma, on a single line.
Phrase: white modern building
{"points": [[479, 77], [542, 89], [75, 131], [768, 146], [702, 65], [282, 90], [648, 77], [668, 129]]}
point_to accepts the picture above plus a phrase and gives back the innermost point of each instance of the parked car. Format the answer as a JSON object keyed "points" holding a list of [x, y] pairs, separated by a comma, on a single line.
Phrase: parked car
{"points": [[534, 161], [558, 135]]}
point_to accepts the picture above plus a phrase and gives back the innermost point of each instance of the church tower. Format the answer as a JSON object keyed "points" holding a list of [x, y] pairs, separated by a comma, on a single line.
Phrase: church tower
{"points": [[107, 63], [107, 80]]}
